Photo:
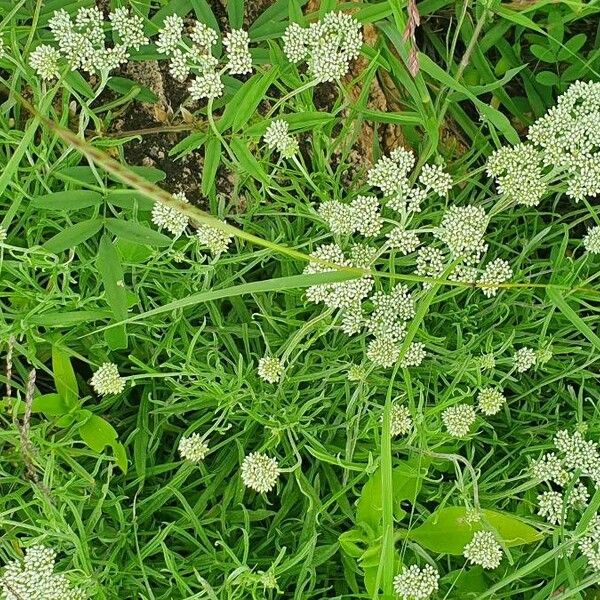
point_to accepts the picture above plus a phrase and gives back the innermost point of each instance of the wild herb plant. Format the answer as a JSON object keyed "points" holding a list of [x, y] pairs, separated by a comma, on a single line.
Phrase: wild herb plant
{"points": [[299, 300]]}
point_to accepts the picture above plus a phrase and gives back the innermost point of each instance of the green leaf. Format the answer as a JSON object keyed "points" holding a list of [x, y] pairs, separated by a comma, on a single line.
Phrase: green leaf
{"points": [[73, 235], [248, 162], [235, 10], [97, 433], [494, 116], [547, 78], [212, 160], [128, 199], [245, 101], [406, 483], [64, 376], [448, 531], [575, 319], [52, 405], [134, 232], [111, 272], [70, 200], [123, 86]]}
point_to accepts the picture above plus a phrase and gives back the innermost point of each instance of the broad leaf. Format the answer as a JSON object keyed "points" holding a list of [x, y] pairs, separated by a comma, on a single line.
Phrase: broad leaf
{"points": [[72, 236], [64, 377], [448, 531]]}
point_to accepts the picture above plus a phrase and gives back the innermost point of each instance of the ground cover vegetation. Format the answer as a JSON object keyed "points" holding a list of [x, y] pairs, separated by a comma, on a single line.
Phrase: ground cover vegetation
{"points": [[299, 299]]}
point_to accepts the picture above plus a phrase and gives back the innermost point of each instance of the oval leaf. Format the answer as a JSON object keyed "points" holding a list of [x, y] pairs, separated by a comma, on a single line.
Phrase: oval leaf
{"points": [[75, 234], [448, 531], [71, 200], [134, 232]]}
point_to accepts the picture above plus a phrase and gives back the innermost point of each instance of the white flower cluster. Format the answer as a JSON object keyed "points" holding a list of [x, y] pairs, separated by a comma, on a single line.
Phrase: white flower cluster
{"points": [[277, 137], [458, 419], [415, 583], [576, 462], [107, 380], [484, 550], [193, 54], [490, 400], [33, 577], [82, 42], [591, 242], [589, 545], [171, 219], [400, 420], [462, 230], [563, 148], [524, 358], [260, 472], [216, 240], [270, 369], [193, 448], [328, 46]]}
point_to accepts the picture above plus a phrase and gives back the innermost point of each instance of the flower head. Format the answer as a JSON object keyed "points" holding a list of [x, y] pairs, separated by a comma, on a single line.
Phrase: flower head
{"points": [[193, 448], [550, 506], [524, 358], [404, 240], [34, 577], [430, 263], [170, 36], [401, 421], [490, 400], [390, 172], [484, 550], [591, 242], [216, 240], [208, 85], [462, 230], [44, 61], [260, 472], [458, 419], [496, 272], [239, 59], [277, 137], [328, 45], [434, 178], [415, 583], [270, 369], [414, 356], [169, 218], [130, 28], [106, 380]]}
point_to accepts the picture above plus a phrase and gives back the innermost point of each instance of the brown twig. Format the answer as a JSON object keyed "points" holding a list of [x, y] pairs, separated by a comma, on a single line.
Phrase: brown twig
{"points": [[26, 445], [414, 20]]}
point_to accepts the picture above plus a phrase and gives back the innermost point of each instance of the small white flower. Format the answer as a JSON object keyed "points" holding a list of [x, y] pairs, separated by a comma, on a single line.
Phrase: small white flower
{"points": [[383, 351], [495, 273], [204, 37], [414, 583], [550, 506], [389, 173], [550, 468], [169, 218], [524, 358], [490, 400], [214, 239], [484, 550], [44, 60], [207, 85], [579, 496], [433, 177], [487, 362], [33, 577], [591, 241], [130, 28], [106, 380], [401, 421], [430, 263], [462, 230], [277, 137], [270, 369], [295, 43], [458, 419], [415, 354], [239, 59], [2, 49], [169, 36], [260, 472], [193, 448], [404, 240], [365, 212]]}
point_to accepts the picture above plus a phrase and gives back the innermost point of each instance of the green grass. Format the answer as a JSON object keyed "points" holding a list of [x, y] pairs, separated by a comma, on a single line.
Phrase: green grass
{"points": [[188, 335]]}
